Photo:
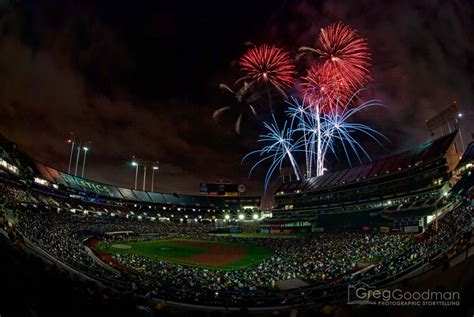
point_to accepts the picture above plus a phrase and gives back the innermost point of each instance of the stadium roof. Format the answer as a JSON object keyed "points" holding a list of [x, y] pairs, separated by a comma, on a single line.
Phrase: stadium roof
{"points": [[81, 184], [394, 163]]}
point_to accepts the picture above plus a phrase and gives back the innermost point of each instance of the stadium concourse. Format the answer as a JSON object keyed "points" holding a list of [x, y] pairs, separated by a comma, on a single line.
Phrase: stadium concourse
{"points": [[63, 220]]}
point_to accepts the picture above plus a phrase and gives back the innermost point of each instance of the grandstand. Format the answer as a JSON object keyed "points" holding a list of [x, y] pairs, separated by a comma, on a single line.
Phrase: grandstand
{"points": [[398, 192], [114, 199]]}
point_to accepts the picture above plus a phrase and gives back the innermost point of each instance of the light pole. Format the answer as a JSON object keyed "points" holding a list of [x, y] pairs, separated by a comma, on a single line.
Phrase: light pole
{"points": [[155, 168], [77, 158], [71, 141], [144, 177], [134, 163], [460, 115], [85, 148]]}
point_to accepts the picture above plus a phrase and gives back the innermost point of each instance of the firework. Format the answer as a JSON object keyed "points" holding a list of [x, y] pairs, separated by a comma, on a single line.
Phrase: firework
{"points": [[322, 122], [316, 134], [324, 132], [270, 65], [280, 147], [344, 53], [302, 119], [344, 59], [321, 85]]}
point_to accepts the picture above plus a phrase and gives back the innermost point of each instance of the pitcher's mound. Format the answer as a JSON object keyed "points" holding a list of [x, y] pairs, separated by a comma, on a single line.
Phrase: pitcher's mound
{"points": [[121, 246]]}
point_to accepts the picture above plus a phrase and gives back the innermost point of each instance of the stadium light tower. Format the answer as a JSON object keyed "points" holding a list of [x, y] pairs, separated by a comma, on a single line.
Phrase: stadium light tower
{"points": [[135, 163], [460, 115], [144, 177], [86, 149], [155, 168], [71, 141], [77, 158]]}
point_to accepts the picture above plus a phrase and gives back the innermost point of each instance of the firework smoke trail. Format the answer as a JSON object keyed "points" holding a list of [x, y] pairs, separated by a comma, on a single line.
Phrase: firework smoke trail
{"points": [[242, 102], [344, 59], [281, 145]]}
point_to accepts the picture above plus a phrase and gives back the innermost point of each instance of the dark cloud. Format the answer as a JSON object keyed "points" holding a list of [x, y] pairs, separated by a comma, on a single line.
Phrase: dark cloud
{"points": [[77, 77], [143, 79]]}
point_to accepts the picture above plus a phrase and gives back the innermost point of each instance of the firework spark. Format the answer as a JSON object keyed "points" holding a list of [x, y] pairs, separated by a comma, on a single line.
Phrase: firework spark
{"points": [[322, 85], [270, 65]]}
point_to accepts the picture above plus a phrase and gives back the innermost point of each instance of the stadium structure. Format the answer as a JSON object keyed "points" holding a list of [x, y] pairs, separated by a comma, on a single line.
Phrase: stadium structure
{"points": [[115, 199], [403, 192], [380, 223]]}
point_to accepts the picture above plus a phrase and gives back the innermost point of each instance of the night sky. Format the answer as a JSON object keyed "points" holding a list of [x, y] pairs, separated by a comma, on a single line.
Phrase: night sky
{"points": [[141, 78]]}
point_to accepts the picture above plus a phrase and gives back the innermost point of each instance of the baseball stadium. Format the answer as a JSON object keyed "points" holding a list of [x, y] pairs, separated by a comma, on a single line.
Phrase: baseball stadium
{"points": [[219, 252], [314, 176]]}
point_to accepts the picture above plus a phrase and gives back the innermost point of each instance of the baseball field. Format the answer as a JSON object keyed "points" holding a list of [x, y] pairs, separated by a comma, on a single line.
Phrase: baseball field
{"points": [[202, 253]]}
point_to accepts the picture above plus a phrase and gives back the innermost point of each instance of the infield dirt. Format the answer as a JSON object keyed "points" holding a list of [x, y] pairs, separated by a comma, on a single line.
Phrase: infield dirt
{"points": [[216, 254]]}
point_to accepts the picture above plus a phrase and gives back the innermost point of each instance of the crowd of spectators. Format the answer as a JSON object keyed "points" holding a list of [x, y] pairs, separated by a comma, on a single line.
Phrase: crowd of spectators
{"points": [[326, 258], [321, 260]]}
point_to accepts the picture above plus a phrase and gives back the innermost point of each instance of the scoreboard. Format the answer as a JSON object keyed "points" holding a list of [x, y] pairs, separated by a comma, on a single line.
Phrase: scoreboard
{"points": [[221, 189]]}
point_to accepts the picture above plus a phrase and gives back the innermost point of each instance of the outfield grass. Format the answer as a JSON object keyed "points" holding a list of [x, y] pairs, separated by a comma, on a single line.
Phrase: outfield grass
{"points": [[171, 250], [263, 235]]}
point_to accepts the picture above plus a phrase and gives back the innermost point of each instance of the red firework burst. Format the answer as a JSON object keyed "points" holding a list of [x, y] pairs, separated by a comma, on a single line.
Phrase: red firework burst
{"points": [[322, 87], [345, 55], [268, 64]]}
